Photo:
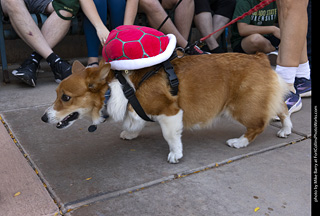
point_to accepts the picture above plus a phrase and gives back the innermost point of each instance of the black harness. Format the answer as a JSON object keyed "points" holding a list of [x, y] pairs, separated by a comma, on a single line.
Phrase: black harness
{"points": [[129, 92]]}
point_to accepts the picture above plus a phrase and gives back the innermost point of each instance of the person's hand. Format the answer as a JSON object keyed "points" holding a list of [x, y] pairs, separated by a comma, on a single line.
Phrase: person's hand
{"points": [[276, 32], [103, 34]]}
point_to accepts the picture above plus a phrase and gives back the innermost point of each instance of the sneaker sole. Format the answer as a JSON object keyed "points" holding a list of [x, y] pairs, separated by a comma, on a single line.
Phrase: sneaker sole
{"points": [[30, 82], [306, 94], [297, 107]]}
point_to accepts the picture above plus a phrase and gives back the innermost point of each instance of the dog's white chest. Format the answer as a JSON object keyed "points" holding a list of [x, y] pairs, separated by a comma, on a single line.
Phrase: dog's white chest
{"points": [[117, 103]]}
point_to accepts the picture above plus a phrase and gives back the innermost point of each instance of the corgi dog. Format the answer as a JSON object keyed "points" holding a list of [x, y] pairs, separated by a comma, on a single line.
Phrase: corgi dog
{"points": [[241, 86]]}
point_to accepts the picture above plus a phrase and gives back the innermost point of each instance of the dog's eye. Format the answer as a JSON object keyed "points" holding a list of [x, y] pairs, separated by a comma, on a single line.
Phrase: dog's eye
{"points": [[65, 98]]}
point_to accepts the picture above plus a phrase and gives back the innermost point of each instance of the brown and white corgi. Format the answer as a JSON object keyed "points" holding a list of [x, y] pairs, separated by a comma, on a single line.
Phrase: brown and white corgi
{"points": [[241, 86]]}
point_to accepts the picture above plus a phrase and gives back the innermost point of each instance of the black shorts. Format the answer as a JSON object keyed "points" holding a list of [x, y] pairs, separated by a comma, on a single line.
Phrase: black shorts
{"points": [[220, 7], [273, 40]]}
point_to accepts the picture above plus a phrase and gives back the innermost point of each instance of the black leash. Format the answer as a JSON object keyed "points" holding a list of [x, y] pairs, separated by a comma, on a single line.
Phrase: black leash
{"points": [[170, 13]]}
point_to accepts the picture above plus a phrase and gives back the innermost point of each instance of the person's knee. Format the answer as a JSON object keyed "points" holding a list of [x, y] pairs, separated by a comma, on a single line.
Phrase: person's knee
{"points": [[257, 40], [10, 6], [149, 5]]}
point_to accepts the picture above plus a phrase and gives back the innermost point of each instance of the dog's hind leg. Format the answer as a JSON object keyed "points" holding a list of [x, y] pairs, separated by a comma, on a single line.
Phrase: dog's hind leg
{"points": [[132, 126], [172, 127], [285, 131], [254, 128]]}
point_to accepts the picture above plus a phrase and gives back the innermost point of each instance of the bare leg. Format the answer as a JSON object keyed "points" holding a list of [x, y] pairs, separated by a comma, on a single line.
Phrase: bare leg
{"points": [[156, 14], [183, 15], [293, 19], [29, 32], [55, 28], [208, 24], [203, 22], [256, 43]]}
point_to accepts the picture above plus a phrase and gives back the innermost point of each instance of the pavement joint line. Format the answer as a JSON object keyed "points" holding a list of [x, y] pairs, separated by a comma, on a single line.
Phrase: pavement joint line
{"points": [[292, 130], [75, 205], [44, 182]]}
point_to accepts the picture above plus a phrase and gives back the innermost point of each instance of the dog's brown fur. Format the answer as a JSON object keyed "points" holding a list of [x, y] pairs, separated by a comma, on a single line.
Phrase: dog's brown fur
{"points": [[239, 85]]}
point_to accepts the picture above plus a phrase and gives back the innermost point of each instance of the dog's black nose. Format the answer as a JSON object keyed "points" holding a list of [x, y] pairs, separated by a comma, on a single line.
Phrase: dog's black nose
{"points": [[44, 118]]}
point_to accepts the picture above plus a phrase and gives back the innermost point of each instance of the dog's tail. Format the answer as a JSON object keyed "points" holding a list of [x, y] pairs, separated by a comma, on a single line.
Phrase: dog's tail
{"points": [[280, 92]]}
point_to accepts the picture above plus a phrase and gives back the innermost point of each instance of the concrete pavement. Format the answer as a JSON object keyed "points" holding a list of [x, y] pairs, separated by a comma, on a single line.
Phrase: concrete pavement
{"points": [[99, 174]]}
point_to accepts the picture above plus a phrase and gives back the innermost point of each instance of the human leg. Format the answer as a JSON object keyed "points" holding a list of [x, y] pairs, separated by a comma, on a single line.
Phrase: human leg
{"points": [[25, 27], [183, 15], [204, 23], [156, 14], [92, 40], [55, 29], [256, 43], [116, 9], [293, 20], [20, 18]]}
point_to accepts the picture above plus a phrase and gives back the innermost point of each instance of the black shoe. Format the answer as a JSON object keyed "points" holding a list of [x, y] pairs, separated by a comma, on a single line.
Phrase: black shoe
{"points": [[61, 70], [194, 50], [27, 72]]}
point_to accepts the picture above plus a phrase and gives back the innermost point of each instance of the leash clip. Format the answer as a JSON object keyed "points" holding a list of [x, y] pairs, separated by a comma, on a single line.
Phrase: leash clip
{"points": [[181, 50]]}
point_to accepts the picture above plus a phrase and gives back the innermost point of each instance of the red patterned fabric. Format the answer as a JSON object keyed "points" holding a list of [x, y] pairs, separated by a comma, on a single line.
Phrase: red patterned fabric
{"points": [[130, 42]]}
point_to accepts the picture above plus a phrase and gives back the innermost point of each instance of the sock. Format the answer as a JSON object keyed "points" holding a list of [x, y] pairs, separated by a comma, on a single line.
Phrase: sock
{"points": [[36, 57], [288, 74], [52, 59], [303, 70]]}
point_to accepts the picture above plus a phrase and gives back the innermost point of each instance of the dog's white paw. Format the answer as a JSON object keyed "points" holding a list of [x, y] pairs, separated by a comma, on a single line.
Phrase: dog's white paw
{"points": [[98, 121], [126, 135], [284, 132], [174, 157], [238, 142]]}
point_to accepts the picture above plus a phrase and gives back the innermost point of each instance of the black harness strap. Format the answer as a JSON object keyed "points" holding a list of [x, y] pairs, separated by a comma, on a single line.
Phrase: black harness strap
{"points": [[168, 68], [129, 92], [173, 79], [130, 95]]}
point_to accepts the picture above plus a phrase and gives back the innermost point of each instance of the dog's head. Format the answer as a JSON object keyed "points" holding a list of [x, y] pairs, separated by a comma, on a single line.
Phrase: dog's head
{"points": [[79, 95]]}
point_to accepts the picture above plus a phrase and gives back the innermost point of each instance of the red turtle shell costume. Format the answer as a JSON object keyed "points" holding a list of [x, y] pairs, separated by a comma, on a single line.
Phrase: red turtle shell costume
{"points": [[131, 47]]}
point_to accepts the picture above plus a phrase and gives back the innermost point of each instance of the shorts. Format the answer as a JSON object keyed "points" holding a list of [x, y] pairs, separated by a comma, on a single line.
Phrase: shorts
{"points": [[219, 7], [273, 40], [37, 6], [71, 6]]}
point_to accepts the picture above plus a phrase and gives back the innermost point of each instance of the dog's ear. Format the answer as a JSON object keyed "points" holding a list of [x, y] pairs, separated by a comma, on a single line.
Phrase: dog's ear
{"points": [[104, 70], [97, 76], [77, 66]]}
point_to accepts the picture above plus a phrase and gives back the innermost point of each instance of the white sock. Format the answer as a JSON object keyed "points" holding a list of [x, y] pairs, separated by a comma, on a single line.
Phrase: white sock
{"points": [[288, 74], [303, 70]]}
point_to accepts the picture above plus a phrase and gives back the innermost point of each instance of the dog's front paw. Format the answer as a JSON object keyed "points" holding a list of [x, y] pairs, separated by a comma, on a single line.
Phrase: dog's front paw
{"points": [[284, 132], [174, 157], [98, 120], [126, 135], [238, 142]]}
